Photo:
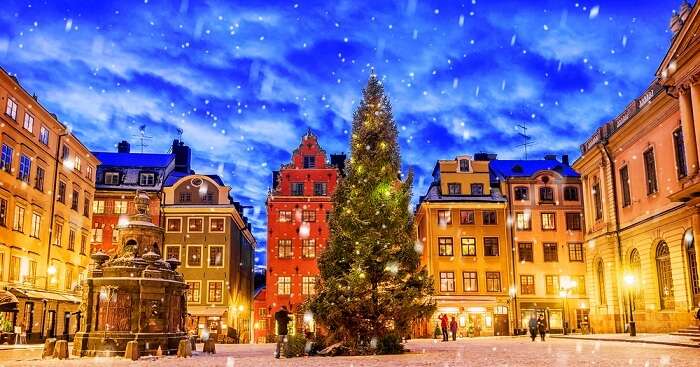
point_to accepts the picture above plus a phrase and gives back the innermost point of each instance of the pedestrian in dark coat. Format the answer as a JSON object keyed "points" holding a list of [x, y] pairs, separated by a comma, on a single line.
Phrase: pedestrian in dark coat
{"points": [[453, 328], [532, 326], [443, 326], [541, 326], [283, 319]]}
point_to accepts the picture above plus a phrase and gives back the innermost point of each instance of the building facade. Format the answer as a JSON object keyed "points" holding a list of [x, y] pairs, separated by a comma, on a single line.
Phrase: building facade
{"points": [[298, 207], [461, 226], [545, 208], [207, 231], [641, 188], [46, 192]]}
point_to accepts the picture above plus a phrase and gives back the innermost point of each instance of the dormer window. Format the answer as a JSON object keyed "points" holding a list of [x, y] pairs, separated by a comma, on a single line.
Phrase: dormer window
{"points": [[111, 178], [454, 188], [147, 179], [463, 165], [477, 189], [546, 194], [521, 193], [309, 161]]}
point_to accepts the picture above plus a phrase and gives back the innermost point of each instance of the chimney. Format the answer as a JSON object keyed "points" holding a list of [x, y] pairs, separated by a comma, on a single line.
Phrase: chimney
{"points": [[565, 159], [676, 23], [685, 11], [123, 147], [183, 156], [550, 157]]}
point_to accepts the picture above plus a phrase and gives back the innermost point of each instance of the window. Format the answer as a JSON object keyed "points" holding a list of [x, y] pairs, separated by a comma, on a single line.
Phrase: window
{"points": [[523, 221], [308, 285], [625, 180], [489, 217], [83, 243], [172, 252], [636, 270], [320, 189], [216, 225], [58, 233], [65, 153], [216, 256], [174, 224], [466, 217], [477, 189], [18, 222], [97, 235], [28, 122], [308, 248], [573, 221], [115, 235], [44, 135], [308, 216], [650, 171], [216, 292], [36, 225], [600, 272], [546, 194], [309, 161], [185, 197], [525, 251], [597, 201], [71, 239], [493, 281], [25, 167], [284, 216], [681, 169], [147, 179], [284, 285], [447, 281], [571, 193], [689, 244], [194, 291], [551, 284], [445, 246], [6, 159], [491, 247], [470, 281], [576, 252], [463, 165], [468, 246], [3, 212], [39, 179], [74, 200], [297, 189], [88, 174], [15, 266], [77, 164], [551, 252], [454, 188], [2, 269], [11, 109], [527, 284], [521, 193], [444, 217], [111, 178], [194, 255], [86, 206], [195, 225], [284, 249], [548, 221], [665, 277], [98, 206], [580, 284]]}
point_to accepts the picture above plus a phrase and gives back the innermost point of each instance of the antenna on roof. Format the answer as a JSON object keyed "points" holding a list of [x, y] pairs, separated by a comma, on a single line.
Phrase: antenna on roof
{"points": [[179, 133], [142, 137], [527, 139]]}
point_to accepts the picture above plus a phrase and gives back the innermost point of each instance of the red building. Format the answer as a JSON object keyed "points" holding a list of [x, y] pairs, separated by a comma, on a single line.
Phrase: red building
{"points": [[298, 207]]}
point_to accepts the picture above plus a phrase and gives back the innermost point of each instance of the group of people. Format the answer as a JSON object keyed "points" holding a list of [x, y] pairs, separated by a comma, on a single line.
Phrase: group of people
{"points": [[536, 326], [444, 324]]}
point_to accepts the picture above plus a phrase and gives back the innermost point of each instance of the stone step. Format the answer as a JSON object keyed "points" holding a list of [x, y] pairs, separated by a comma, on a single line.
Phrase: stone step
{"points": [[681, 333]]}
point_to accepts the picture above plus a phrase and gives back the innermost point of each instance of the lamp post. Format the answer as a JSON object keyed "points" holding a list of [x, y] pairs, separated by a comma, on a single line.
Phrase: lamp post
{"points": [[630, 280], [566, 286]]}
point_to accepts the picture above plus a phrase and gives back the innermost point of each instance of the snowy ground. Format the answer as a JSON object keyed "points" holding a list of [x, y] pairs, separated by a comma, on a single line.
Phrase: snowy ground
{"points": [[496, 351]]}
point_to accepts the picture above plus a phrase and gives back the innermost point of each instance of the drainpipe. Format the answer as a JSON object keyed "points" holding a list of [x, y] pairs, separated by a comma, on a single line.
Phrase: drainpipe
{"points": [[512, 258], [53, 207]]}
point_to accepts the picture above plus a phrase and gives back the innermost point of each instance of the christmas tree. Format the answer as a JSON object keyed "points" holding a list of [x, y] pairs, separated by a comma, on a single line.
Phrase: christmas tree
{"points": [[372, 283]]}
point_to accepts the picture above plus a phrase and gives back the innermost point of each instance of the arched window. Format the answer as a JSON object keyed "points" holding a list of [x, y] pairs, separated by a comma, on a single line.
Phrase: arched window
{"points": [[600, 271], [689, 242], [663, 271], [636, 269]]}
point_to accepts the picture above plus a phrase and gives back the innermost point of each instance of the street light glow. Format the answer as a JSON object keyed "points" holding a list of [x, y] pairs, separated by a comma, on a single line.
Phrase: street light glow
{"points": [[630, 279]]}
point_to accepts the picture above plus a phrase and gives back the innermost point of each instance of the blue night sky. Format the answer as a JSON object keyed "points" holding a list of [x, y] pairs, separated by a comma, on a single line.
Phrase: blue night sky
{"points": [[245, 79]]}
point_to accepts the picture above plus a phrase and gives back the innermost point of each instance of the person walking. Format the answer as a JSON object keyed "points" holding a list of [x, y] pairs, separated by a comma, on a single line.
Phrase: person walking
{"points": [[532, 326], [453, 328], [282, 318], [443, 326], [541, 326]]}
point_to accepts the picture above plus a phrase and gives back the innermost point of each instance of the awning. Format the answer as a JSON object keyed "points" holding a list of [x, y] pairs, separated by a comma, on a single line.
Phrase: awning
{"points": [[206, 310], [28, 293], [8, 302]]}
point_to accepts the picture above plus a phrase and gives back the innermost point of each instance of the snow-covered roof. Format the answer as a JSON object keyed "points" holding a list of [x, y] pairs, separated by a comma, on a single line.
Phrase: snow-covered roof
{"points": [[434, 195], [527, 168], [134, 159]]}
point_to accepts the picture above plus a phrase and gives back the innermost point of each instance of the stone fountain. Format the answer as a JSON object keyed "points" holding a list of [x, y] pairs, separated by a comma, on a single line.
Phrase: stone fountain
{"points": [[134, 296]]}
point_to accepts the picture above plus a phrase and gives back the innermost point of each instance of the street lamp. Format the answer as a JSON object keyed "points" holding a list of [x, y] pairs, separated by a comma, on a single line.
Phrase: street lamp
{"points": [[566, 286], [630, 280]]}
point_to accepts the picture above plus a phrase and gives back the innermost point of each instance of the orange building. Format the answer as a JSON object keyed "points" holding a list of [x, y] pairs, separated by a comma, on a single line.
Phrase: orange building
{"points": [[641, 191], [298, 207], [46, 192]]}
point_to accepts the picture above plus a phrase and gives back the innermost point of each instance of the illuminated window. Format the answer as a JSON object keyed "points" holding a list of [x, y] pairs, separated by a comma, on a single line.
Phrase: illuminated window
{"points": [[527, 284], [194, 255], [308, 216], [18, 222], [216, 225], [466, 217], [172, 252], [194, 291], [216, 292], [523, 221], [551, 284], [44, 135], [445, 246], [469, 281], [36, 225], [308, 248], [284, 216], [447, 281], [174, 224], [444, 217], [98, 206], [284, 249], [120, 206], [576, 252], [11, 109], [216, 256], [468, 246], [308, 285], [195, 225], [548, 221], [284, 285], [493, 281]]}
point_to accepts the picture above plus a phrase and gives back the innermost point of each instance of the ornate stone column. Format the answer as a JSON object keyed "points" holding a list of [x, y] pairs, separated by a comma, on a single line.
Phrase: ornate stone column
{"points": [[690, 121]]}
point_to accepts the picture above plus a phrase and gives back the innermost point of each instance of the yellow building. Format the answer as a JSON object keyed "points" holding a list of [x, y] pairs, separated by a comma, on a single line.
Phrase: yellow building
{"points": [[461, 227], [46, 191], [641, 190]]}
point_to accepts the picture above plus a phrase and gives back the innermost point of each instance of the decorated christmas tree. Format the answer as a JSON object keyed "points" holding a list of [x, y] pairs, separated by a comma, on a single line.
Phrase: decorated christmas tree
{"points": [[372, 283]]}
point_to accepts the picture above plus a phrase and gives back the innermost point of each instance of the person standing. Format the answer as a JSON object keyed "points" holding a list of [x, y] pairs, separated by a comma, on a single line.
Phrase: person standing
{"points": [[443, 326], [532, 326], [282, 318], [453, 328], [541, 326]]}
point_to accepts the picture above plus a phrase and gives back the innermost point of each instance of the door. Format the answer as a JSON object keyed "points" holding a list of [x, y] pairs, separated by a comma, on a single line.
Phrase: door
{"points": [[500, 321], [52, 324], [66, 324], [28, 319]]}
